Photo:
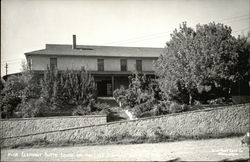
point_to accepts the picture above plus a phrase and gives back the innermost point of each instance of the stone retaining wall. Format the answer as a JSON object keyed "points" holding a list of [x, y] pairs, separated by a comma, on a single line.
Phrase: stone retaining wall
{"points": [[215, 122], [24, 126]]}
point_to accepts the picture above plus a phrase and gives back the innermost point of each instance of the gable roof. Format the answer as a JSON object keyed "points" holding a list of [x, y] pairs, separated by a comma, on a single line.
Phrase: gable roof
{"points": [[103, 51]]}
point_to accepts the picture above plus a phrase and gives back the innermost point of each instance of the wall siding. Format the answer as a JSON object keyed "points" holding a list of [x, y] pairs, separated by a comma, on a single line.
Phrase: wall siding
{"points": [[90, 63]]}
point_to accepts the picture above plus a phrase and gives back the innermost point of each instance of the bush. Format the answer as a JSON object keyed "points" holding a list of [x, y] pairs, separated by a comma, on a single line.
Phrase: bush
{"points": [[168, 107], [118, 94], [31, 96], [18, 91], [162, 107], [8, 105], [179, 93], [175, 108], [101, 106], [80, 110], [92, 109], [217, 101], [12, 94], [76, 88], [141, 89], [32, 108], [144, 110]]}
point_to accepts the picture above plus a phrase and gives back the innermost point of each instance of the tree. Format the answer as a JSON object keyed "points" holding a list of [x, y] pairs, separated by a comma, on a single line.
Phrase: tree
{"points": [[18, 91], [67, 88], [208, 57], [140, 90], [11, 95], [1, 84], [30, 93]]}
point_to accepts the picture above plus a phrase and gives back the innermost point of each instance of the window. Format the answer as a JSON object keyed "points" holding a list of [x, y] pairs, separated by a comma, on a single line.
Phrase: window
{"points": [[53, 63], [29, 60], [109, 89], [139, 65], [100, 64], [123, 65]]}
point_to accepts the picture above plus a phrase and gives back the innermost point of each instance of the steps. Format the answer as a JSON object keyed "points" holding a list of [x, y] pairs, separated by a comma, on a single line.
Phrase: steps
{"points": [[117, 113]]}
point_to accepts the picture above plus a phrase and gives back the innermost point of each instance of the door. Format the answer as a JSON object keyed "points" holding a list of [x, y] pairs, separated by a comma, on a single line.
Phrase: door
{"points": [[104, 88]]}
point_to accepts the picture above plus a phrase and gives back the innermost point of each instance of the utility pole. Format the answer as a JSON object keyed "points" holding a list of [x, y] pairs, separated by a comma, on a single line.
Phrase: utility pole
{"points": [[6, 68]]}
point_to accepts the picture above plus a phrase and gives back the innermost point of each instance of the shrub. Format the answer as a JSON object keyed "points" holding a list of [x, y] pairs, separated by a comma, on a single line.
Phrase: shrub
{"points": [[144, 109], [8, 105], [162, 107], [179, 93], [176, 108], [146, 99], [18, 89], [119, 93], [141, 89], [101, 106], [217, 101], [1, 84], [80, 110], [101, 109], [31, 96], [93, 108], [120, 96], [76, 88], [32, 108], [168, 107]]}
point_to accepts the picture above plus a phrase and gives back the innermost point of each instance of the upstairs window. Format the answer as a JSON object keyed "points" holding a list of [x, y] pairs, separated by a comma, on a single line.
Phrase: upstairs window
{"points": [[123, 65], [100, 64], [53, 63], [139, 65], [29, 62]]}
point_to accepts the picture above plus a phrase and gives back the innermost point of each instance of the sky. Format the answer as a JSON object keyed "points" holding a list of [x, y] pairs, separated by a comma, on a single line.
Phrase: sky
{"points": [[27, 25]]}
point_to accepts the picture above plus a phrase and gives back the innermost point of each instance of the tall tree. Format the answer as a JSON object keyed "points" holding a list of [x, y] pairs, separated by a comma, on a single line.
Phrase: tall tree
{"points": [[206, 57]]}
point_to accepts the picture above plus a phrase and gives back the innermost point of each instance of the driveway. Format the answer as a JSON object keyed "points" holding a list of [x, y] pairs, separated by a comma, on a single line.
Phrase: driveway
{"points": [[191, 150]]}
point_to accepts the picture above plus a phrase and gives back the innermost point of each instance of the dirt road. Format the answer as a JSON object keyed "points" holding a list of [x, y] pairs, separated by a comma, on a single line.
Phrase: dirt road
{"points": [[200, 150]]}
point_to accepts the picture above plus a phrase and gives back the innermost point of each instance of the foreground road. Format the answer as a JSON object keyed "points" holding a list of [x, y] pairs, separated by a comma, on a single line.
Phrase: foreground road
{"points": [[212, 149]]}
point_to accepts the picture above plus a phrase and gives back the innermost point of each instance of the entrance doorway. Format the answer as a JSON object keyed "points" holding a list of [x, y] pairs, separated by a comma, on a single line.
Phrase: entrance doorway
{"points": [[104, 88]]}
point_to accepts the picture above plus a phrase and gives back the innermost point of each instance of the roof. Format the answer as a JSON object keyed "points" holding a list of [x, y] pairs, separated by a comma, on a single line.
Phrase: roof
{"points": [[103, 51]]}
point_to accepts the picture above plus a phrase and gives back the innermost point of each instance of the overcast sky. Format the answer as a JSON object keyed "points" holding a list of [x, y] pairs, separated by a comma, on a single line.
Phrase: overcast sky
{"points": [[27, 25]]}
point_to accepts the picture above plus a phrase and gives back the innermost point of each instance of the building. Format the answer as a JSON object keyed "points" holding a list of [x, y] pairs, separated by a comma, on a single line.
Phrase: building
{"points": [[109, 65]]}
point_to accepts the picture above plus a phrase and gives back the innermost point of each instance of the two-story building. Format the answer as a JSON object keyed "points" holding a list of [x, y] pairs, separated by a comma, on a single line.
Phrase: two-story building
{"points": [[109, 65]]}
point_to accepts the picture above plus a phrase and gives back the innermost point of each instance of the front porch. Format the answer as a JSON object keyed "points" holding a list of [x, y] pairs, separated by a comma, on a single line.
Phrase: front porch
{"points": [[106, 84]]}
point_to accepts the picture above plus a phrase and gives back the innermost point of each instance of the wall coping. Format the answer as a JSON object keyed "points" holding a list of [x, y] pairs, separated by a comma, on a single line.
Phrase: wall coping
{"points": [[181, 113], [127, 121], [54, 117]]}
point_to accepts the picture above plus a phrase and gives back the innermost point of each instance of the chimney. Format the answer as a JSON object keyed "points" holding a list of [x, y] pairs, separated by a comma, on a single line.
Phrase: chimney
{"points": [[74, 42]]}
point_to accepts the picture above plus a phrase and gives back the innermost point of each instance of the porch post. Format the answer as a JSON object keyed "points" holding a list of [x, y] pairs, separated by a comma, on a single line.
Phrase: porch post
{"points": [[113, 84]]}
